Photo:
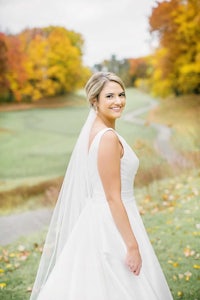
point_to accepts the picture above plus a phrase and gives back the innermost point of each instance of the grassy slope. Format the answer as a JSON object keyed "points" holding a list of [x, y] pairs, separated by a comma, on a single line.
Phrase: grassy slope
{"points": [[182, 114], [170, 212], [35, 146], [37, 143]]}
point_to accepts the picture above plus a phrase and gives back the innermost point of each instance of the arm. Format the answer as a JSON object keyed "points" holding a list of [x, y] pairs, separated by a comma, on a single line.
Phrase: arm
{"points": [[109, 170]]}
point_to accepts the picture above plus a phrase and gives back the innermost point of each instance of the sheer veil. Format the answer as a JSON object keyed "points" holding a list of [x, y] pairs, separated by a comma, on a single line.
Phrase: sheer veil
{"points": [[72, 198]]}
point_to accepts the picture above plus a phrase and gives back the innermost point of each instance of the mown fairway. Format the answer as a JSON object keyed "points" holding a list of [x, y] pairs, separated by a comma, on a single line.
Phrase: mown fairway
{"points": [[37, 143]]}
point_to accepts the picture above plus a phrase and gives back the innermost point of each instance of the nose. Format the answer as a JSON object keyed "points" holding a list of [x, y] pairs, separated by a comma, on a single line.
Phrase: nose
{"points": [[118, 100]]}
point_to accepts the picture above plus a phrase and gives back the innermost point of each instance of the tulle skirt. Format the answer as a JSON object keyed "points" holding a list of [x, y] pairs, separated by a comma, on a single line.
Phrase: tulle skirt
{"points": [[92, 263]]}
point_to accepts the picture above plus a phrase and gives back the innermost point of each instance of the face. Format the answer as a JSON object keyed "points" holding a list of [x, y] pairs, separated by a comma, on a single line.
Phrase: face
{"points": [[111, 101]]}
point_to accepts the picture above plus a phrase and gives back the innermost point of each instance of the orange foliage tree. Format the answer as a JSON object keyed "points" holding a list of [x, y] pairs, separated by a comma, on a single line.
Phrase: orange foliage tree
{"points": [[16, 73], [4, 84], [43, 62], [176, 24], [139, 71]]}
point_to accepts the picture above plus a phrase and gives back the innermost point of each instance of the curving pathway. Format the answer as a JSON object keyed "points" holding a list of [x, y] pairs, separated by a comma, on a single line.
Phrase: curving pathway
{"points": [[162, 142]]}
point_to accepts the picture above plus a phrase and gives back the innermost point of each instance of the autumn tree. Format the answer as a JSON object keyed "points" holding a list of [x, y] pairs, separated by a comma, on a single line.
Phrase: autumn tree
{"points": [[4, 84], [43, 62], [13, 75], [139, 71], [176, 24], [55, 62]]}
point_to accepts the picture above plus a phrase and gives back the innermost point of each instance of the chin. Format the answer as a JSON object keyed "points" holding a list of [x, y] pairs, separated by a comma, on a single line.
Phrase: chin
{"points": [[117, 114]]}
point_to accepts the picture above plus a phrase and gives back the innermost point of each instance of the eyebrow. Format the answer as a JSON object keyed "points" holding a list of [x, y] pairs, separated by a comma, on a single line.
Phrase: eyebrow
{"points": [[109, 94], [122, 93]]}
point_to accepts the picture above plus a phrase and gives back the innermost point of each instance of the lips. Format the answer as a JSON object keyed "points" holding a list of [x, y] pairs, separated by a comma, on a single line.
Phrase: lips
{"points": [[116, 109]]}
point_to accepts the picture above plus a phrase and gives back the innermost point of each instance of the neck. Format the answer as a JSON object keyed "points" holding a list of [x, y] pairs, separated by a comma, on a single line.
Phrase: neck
{"points": [[106, 122]]}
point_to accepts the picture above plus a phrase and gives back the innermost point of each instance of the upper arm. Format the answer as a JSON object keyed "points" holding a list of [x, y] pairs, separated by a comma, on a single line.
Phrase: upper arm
{"points": [[109, 165]]}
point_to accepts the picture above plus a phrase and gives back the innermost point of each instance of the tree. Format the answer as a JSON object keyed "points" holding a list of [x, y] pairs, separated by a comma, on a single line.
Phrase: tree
{"points": [[42, 62], [16, 73], [176, 24], [4, 84], [139, 69]]}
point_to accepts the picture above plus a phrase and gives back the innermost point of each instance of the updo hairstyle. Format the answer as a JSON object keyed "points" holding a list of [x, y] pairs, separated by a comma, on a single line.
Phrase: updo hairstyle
{"points": [[96, 83]]}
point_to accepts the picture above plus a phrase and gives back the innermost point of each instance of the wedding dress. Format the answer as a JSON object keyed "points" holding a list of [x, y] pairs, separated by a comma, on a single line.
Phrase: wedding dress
{"points": [[91, 265]]}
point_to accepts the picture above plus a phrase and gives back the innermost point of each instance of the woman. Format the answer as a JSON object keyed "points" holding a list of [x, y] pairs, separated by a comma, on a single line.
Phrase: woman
{"points": [[97, 247]]}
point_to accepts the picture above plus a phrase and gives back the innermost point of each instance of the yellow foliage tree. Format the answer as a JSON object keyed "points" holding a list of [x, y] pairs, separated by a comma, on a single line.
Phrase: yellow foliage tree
{"points": [[177, 59], [43, 62], [55, 62]]}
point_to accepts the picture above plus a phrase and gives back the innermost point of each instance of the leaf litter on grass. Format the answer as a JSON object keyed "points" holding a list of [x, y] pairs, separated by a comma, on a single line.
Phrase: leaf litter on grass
{"points": [[18, 265], [170, 211]]}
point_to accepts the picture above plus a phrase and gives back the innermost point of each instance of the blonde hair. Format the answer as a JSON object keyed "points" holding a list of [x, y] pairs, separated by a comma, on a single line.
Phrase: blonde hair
{"points": [[96, 83]]}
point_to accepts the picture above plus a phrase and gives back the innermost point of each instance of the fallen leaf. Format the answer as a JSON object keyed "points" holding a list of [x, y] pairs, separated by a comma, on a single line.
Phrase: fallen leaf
{"points": [[29, 289], [196, 266], [175, 264], [2, 285], [180, 294], [21, 248]]}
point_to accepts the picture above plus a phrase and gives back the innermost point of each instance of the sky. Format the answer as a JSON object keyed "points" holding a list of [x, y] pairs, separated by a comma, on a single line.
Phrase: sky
{"points": [[108, 27]]}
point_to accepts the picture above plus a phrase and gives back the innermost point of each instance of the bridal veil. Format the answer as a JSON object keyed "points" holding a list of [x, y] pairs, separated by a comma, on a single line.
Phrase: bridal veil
{"points": [[72, 198]]}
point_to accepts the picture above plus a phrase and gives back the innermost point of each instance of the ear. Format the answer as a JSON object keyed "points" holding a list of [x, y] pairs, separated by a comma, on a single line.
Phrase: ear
{"points": [[94, 102]]}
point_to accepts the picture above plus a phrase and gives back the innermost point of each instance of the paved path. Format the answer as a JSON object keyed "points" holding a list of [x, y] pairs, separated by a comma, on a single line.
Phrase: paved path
{"points": [[162, 142], [14, 226]]}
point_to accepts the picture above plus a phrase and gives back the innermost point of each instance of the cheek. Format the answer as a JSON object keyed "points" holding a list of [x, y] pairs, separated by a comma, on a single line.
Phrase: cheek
{"points": [[103, 105]]}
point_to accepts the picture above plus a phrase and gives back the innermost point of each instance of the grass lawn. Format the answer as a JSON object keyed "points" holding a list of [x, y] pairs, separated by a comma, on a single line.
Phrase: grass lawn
{"points": [[37, 143], [170, 210], [182, 115]]}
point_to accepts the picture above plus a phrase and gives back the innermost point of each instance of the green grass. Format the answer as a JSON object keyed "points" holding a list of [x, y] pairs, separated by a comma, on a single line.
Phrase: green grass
{"points": [[38, 142], [182, 115], [136, 99], [170, 210], [19, 264], [35, 144]]}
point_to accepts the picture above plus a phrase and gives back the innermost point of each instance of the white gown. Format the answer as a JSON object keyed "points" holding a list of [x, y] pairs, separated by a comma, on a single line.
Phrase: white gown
{"points": [[91, 265]]}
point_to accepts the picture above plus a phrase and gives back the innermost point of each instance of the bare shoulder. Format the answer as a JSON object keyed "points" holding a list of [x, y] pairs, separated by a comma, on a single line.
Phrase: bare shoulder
{"points": [[110, 136], [109, 140]]}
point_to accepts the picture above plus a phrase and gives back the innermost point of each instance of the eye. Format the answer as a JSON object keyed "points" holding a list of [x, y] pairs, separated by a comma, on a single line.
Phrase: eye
{"points": [[122, 95], [109, 96]]}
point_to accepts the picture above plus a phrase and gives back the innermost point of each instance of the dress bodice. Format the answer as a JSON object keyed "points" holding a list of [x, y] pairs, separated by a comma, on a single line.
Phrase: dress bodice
{"points": [[129, 166]]}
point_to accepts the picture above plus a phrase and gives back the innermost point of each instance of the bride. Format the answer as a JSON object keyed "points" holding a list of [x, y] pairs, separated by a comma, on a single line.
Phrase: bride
{"points": [[97, 247]]}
